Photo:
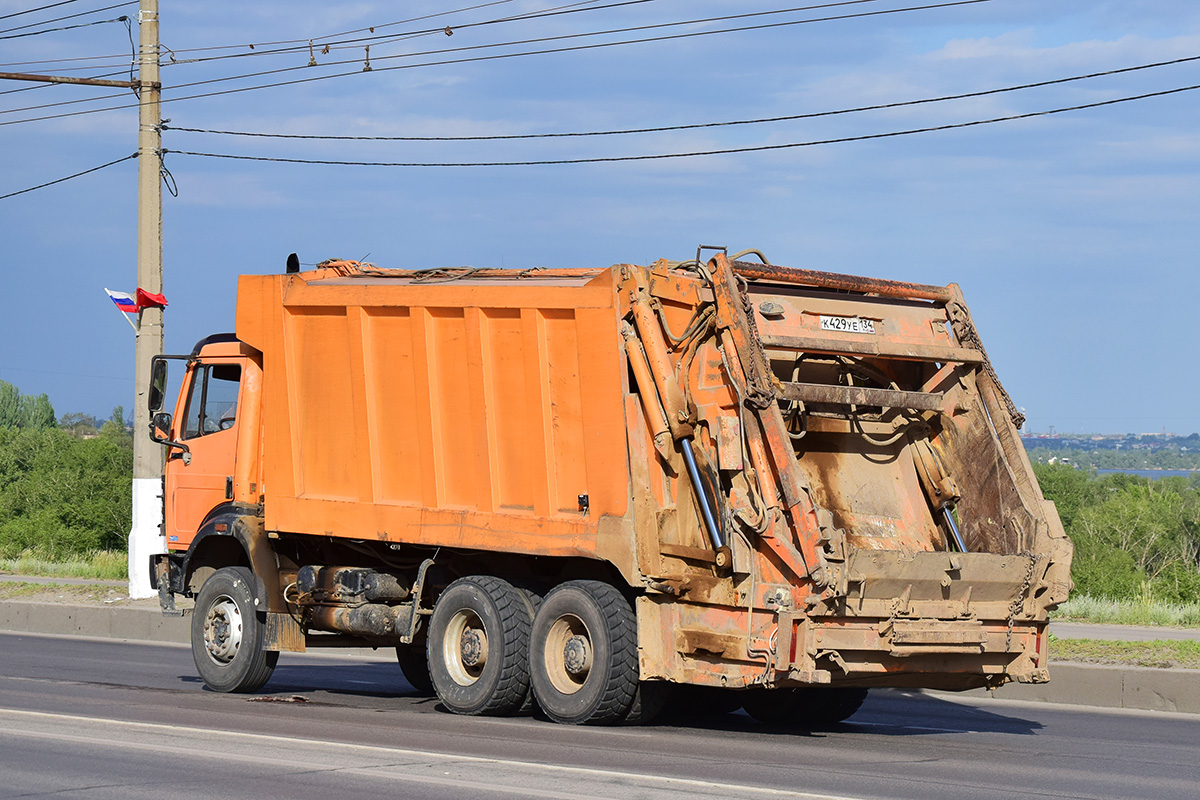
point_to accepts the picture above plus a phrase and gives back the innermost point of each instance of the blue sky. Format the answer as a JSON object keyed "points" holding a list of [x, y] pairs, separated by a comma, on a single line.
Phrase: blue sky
{"points": [[1074, 236]]}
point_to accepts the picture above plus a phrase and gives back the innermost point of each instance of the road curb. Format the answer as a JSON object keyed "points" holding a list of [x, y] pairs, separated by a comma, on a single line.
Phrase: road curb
{"points": [[1144, 688], [140, 624]]}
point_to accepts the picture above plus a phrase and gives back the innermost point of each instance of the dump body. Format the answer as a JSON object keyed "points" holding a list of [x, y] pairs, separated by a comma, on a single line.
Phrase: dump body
{"points": [[799, 478], [448, 414]]}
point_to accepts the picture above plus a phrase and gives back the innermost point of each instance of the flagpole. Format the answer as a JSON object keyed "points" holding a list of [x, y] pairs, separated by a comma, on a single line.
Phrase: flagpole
{"points": [[146, 537], [120, 310]]}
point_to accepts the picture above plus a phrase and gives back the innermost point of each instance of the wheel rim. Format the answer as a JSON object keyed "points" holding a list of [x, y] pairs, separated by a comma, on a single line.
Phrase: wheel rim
{"points": [[465, 647], [568, 654], [223, 630]]}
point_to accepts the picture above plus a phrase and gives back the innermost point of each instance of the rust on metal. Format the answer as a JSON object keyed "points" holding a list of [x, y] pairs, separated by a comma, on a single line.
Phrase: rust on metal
{"points": [[839, 282], [923, 352], [861, 396]]}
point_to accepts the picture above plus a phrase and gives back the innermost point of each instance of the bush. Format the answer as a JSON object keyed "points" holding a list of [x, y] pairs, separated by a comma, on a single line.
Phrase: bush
{"points": [[63, 497], [1135, 538]]}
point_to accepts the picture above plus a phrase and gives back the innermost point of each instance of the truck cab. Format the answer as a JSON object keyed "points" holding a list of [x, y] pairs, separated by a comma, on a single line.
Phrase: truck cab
{"points": [[211, 440]]}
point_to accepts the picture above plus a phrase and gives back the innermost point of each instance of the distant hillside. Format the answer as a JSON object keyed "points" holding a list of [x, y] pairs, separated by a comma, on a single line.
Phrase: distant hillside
{"points": [[1130, 451]]}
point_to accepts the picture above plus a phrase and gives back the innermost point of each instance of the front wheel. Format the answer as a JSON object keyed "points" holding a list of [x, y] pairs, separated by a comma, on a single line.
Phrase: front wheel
{"points": [[228, 634]]}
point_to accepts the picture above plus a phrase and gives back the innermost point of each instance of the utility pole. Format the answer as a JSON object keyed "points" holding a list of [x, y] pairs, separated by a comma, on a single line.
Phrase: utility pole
{"points": [[146, 536]]}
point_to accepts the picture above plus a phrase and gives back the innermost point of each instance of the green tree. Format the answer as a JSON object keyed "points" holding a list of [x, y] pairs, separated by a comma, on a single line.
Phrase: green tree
{"points": [[115, 429], [61, 496], [36, 412], [24, 411], [10, 406], [78, 424], [1070, 489]]}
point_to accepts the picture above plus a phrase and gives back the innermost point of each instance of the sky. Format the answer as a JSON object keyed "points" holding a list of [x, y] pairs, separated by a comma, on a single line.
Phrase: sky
{"points": [[1073, 235]]}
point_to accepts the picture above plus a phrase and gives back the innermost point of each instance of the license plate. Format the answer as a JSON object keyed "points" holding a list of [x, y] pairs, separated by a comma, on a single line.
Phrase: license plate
{"points": [[847, 324]]}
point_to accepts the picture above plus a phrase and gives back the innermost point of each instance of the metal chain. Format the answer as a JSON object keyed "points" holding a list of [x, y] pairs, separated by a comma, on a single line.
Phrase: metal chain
{"points": [[758, 393], [1018, 603], [964, 329]]}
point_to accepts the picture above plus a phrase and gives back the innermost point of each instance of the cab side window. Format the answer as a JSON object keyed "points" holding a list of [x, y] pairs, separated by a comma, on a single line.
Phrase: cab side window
{"points": [[212, 402]]}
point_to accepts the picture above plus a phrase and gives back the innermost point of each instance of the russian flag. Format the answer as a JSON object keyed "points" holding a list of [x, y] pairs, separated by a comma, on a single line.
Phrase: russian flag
{"points": [[124, 302]]}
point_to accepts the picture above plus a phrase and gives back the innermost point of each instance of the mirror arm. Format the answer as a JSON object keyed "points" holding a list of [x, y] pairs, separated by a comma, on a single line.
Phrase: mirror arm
{"points": [[187, 451]]}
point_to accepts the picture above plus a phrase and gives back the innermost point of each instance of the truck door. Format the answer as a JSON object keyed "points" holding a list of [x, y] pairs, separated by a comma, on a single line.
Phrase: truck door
{"points": [[208, 424]]}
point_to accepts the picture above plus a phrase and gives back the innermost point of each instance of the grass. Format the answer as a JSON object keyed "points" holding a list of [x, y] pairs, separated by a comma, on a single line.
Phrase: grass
{"points": [[1176, 654], [1129, 612], [70, 593], [9, 591], [99, 565]]}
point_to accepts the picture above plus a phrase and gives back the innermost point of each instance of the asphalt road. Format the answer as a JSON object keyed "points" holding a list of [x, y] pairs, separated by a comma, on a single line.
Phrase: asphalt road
{"points": [[101, 719]]}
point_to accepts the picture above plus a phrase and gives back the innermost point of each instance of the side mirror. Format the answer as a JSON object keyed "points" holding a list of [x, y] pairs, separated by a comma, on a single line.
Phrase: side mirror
{"points": [[160, 431], [158, 387], [160, 427]]}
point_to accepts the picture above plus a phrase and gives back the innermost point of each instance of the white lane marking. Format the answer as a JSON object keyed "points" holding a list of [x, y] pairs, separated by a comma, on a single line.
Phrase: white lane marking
{"points": [[381, 771], [378, 751]]}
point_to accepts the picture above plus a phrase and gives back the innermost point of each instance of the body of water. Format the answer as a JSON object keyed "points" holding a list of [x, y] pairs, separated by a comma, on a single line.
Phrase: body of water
{"points": [[1150, 473]]}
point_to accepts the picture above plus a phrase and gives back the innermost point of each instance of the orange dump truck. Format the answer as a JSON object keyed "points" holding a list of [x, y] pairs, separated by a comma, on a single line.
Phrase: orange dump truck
{"points": [[585, 489]]}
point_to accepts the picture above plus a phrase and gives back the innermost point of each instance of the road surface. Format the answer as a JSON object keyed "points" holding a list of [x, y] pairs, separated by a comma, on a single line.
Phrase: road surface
{"points": [[100, 719]]}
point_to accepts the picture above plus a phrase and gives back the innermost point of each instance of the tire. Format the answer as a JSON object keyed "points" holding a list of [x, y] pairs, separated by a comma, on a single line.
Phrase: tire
{"points": [[826, 707], [228, 634], [803, 708], [583, 654], [533, 601], [689, 701], [478, 647], [648, 702], [414, 665]]}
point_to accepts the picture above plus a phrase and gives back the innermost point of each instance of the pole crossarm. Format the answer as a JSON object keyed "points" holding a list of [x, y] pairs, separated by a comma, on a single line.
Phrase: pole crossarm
{"points": [[26, 76]]}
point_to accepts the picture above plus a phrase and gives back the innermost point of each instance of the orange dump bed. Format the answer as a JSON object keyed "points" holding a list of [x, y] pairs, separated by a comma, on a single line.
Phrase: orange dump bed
{"points": [[477, 414]]}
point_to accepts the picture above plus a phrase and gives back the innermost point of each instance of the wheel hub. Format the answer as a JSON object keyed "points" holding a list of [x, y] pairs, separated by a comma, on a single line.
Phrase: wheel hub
{"points": [[465, 647], [577, 656], [473, 648], [223, 630]]}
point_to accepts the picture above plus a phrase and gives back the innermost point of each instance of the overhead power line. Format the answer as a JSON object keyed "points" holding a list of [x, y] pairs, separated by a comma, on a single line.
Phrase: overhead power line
{"points": [[551, 12], [697, 125], [565, 37], [607, 32], [66, 28], [692, 154], [39, 8], [59, 103], [63, 61], [495, 57], [332, 41], [60, 19], [69, 177]]}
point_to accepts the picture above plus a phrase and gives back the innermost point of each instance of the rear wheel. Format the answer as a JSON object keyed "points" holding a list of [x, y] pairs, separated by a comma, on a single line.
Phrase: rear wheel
{"points": [[583, 654], [648, 702], [804, 708], [533, 601], [415, 666], [478, 647], [689, 701], [228, 634]]}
